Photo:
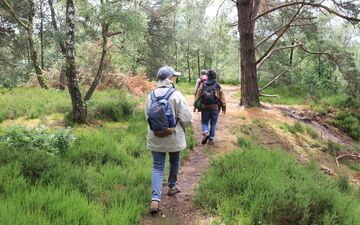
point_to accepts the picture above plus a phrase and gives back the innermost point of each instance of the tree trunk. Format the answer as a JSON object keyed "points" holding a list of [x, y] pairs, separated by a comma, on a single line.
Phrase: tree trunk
{"points": [[175, 41], [291, 55], [79, 111], [188, 60], [104, 28], [33, 53], [62, 79], [42, 34], [198, 60], [249, 86]]}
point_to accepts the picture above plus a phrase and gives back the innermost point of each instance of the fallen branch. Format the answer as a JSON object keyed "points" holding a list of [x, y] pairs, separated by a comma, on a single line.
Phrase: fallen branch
{"points": [[265, 95], [350, 155]]}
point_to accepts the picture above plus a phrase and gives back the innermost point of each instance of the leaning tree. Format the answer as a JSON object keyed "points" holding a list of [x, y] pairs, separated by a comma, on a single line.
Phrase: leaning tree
{"points": [[28, 25], [249, 12]]}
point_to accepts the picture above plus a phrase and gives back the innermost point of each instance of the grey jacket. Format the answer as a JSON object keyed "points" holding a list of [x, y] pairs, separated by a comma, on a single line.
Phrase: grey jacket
{"points": [[176, 141]]}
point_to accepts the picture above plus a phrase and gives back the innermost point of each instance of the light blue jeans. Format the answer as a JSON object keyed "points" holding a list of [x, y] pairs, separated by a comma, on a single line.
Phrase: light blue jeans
{"points": [[158, 172], [212, 116]]}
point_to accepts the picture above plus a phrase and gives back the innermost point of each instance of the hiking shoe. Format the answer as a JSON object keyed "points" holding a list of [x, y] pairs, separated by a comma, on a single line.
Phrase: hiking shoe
{"points": [[154, 206], [206, 137], [211, 142], [173, 191]]}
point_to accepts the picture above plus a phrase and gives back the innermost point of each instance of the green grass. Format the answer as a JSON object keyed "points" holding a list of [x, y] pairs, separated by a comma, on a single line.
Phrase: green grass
{"points": [[254, 185], [185, 87], [288, 95], [101, 177], [113, 104], [32, 102]]}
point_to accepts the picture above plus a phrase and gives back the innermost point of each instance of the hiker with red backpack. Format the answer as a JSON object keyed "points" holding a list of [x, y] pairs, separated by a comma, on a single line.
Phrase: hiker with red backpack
{"points": [[210, 100], [203, 77], [167, 113]]}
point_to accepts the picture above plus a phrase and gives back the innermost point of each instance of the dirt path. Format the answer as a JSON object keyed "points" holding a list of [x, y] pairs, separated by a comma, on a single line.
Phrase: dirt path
{"points": [[180, 209]]}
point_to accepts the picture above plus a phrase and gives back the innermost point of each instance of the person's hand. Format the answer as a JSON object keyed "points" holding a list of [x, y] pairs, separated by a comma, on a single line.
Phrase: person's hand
{"points": [[194, 109], [224, 110]]}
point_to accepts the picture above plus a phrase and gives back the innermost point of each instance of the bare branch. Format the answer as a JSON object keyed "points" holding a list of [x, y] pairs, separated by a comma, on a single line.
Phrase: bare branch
{"points": [[330, 56], [265, 95], [273, 80], [350, 155], [324, 53], [259, 64], [114, 33], [316, 5], [12, 12], [54, 24], [287, 26], [278, 30]]}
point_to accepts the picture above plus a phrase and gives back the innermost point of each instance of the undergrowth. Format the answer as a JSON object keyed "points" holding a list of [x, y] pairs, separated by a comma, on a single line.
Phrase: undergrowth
{"points": [[253, 185], [85, 175]]}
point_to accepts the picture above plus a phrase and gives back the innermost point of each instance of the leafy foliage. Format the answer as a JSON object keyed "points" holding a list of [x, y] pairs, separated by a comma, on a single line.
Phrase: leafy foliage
{"points": [[349, 122], [39, 139]]}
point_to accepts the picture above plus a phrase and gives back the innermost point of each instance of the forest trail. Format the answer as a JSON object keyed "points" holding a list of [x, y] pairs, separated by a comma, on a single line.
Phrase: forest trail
{"points": [[180, 209]]}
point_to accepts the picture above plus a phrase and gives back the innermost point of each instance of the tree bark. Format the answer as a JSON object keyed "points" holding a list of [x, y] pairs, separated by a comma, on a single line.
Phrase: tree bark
{"points": [[42, 34], [62, 79], [198, 60], [39, 72], [79, 111], [249, 86], [188, 60], [104, 28], [29, 30]]}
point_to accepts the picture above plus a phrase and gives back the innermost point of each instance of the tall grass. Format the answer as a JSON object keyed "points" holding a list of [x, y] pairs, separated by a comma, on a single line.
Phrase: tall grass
{"points": [[106, 170], [103, 176], [113, 105], [258, 186], [32, 102]]}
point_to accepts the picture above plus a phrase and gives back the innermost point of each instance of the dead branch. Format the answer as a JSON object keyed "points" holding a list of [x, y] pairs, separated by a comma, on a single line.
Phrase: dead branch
{"points": [[316, 5], [349, 155], [114, 33], [279, 36], [278, 30], [265, 95], [259, 64], [273, 80]]}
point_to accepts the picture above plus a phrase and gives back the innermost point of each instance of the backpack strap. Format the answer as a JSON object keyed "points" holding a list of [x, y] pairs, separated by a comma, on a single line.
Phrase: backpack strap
{"points": [[169, 93], [166, 96]]}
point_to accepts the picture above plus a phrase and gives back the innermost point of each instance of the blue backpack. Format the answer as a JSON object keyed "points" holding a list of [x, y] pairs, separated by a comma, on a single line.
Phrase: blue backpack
{"points": [[160, 116]]}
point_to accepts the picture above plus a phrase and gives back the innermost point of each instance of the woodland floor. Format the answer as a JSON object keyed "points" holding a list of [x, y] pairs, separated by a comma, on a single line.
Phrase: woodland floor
{"points": [[180, 209]]}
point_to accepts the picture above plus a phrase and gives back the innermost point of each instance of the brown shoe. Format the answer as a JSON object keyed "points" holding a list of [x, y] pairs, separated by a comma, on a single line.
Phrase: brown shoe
{"points": [[154, 207], [173, 191]]}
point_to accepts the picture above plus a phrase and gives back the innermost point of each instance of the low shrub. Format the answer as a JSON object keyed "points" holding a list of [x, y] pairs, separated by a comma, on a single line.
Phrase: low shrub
{"points": [[52, 142], [258, 186], [312, 132], [296, 128], [333, 147], [349, 122]]}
